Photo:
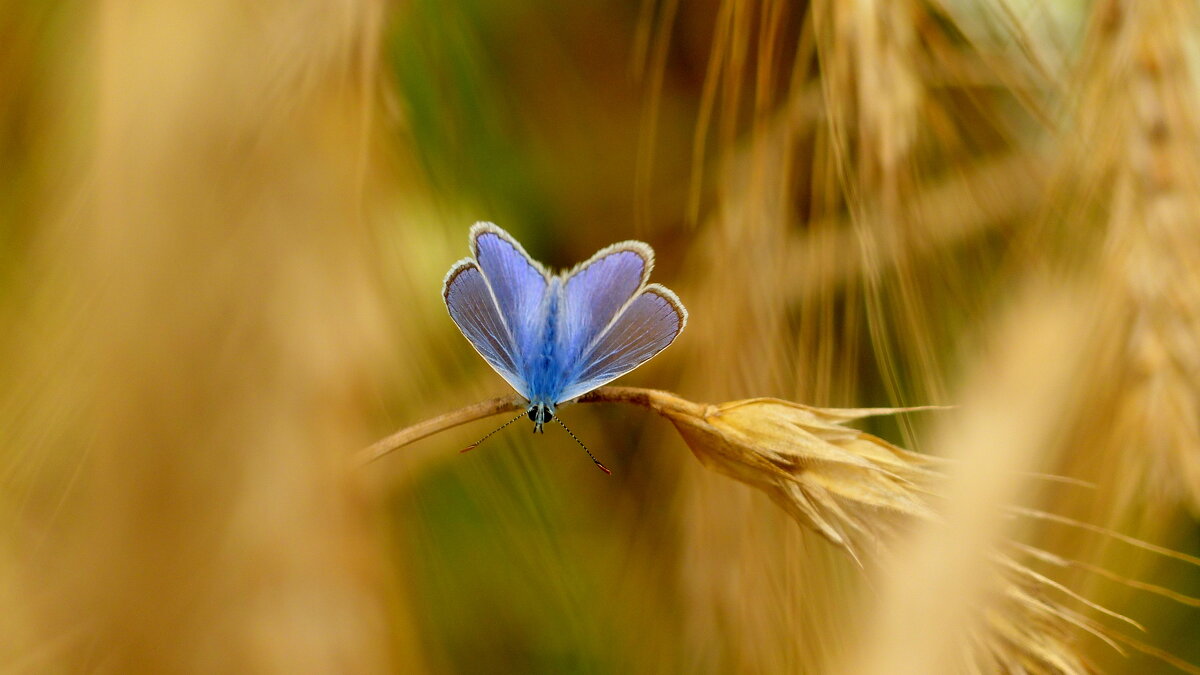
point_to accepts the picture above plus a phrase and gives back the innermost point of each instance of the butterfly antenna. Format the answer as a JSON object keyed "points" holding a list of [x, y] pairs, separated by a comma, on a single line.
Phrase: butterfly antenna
{"points": [[585, 449], [476, 443]]}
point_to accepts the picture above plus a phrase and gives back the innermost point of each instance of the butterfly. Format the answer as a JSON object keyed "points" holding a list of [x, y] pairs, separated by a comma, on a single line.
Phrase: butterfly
{"points": [[555, 337]]}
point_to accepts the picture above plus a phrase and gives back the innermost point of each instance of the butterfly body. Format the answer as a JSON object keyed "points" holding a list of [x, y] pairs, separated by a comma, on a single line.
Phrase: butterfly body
{"points": [[554, 337], [546, 372], [547, 368]]}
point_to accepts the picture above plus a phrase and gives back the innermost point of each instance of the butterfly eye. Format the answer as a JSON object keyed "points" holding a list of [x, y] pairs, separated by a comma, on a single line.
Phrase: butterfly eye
{"points": [[533, 413]]}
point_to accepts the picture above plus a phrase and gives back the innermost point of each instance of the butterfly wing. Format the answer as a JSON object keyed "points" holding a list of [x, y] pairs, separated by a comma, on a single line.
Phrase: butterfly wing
{"points": [[519, 285], [471, 305], [595, 291], [644, 327]]}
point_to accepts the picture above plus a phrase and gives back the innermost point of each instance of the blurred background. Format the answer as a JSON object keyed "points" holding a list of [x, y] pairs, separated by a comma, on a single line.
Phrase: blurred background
{"points": [[223, 231]]}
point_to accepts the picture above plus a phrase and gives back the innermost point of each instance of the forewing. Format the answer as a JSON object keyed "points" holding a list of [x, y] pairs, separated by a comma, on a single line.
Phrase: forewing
{"points": [[649, 323], [596, 290], [470, 303], [518, 283]]}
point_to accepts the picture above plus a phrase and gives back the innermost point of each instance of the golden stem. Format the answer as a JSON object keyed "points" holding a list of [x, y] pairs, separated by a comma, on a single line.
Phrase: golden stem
{"points": [[660, 402], [433, 425]]}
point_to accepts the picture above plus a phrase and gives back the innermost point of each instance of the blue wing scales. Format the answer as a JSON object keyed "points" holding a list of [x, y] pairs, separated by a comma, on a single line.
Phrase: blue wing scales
{"points": [[595, 291], [519, 286], [645, 327], [471, 305]]}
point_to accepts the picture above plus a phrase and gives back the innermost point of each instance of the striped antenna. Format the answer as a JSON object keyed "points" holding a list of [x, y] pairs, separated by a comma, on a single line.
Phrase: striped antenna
{"points": [[589, 452], [476, 443]]}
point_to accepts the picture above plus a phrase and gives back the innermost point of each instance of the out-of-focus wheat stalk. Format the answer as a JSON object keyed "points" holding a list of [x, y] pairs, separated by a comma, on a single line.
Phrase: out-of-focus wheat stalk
{"points": [[1144, 149], [970, 621], [199, 319], [952, 210], [1121, 218]]}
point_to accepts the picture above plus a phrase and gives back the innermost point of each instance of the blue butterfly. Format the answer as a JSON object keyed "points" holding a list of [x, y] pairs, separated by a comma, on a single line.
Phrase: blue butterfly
{"points": [[555, 337]]}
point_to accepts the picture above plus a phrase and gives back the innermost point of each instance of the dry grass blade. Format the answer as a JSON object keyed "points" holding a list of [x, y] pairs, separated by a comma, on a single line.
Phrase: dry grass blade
{"points": [[1026, 632], [433, 425], [1061, 562], [1096, 529], [851, 487]]}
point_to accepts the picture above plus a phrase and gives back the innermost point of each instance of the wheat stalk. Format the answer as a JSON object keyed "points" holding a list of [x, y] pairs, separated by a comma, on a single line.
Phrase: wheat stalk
{"points": [[859, 492], [1153, 238]]}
